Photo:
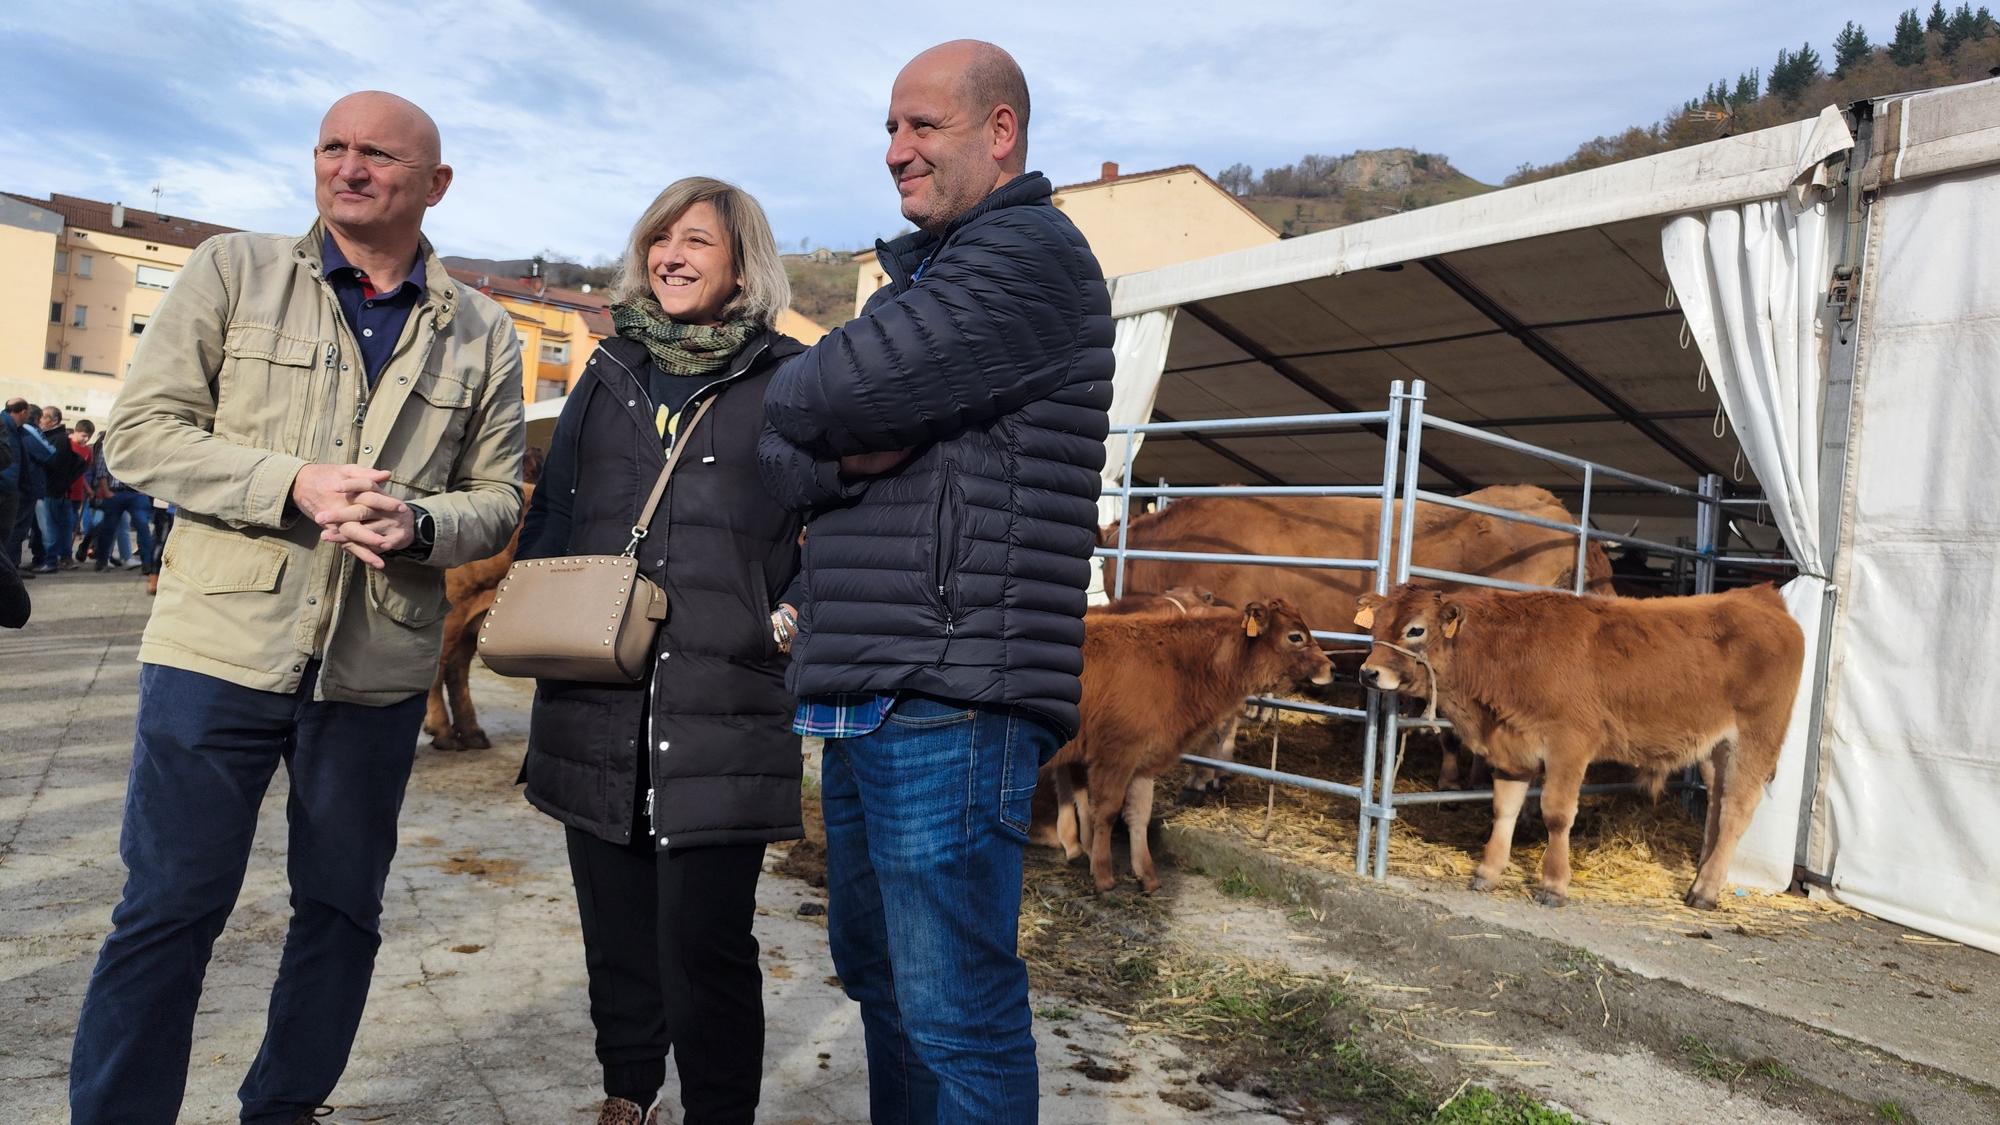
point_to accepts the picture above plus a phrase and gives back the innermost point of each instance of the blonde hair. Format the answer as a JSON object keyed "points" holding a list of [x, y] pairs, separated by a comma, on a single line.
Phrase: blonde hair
{"points": [[765, 292]]}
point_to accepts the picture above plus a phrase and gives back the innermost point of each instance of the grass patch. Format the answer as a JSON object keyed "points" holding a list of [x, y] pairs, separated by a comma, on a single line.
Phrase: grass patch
{"points": [[1894, 1113], [1481, 1106], [1581, 961], [1238, 885], [1055, 1012], [1711, 1063]]}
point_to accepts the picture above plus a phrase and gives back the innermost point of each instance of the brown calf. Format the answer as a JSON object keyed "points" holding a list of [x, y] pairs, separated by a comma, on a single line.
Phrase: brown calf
{"points": [[1056, 821], [1554, 682], [469, 589], [1152, 683]]}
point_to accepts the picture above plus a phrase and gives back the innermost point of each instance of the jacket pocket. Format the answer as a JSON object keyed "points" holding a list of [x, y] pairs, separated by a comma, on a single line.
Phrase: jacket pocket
{"points": [[944, 558], [414, 598], [217, 562], [435, 418], [267, 378]]}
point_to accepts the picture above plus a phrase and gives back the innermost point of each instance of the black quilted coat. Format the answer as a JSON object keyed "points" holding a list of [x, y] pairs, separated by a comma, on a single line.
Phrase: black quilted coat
{"points": [[961, 574], [710, 731]]}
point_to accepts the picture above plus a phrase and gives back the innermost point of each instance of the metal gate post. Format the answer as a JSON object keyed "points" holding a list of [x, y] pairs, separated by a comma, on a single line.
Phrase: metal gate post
{"points": [[1406, 530], [1124, 512], [1384, 560], [1708, 524], [1583, 529]]}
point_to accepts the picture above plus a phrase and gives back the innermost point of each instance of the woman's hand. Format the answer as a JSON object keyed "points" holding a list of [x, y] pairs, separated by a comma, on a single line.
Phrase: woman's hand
{"points": [[784, 626]]}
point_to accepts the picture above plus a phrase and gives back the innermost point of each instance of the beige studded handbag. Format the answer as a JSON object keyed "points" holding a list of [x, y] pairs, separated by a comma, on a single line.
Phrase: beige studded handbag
{"points": [[582, 617]]}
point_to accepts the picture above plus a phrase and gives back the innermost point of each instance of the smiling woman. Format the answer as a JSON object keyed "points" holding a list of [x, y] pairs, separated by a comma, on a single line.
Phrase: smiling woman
{"points": [[669, 789]]}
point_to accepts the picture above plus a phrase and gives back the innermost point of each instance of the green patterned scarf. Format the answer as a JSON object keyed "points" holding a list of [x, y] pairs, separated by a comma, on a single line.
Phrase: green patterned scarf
{"points": [[681, 349]]}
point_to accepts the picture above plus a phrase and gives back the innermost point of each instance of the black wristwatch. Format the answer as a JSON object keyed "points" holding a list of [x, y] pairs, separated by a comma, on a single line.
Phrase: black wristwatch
{"points": [[425, 526]]}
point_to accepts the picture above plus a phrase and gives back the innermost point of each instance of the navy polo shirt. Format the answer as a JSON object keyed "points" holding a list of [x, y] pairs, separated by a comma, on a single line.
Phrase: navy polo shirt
{"points": [[376, 318]]}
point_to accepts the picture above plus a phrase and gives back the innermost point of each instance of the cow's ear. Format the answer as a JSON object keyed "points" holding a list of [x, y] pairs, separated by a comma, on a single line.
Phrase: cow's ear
{"points": [[1365, 617], [1453, 618], [1253, 619]]}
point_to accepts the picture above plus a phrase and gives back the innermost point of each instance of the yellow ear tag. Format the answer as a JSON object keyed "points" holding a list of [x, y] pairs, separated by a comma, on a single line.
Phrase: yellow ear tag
{"points": [[1366, 618], [1250, 627], [1451, 628]]}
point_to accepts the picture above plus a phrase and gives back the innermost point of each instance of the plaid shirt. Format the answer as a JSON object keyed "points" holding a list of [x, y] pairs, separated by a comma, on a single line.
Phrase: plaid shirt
{"points": [[845, 715]]}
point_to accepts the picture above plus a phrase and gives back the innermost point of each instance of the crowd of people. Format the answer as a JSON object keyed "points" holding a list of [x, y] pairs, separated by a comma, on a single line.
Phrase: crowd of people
{"points": [[60, 500]]}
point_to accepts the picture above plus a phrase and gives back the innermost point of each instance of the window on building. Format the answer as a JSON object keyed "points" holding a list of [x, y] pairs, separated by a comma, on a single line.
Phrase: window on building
{"points": [[62, 261], [79, 317], [83, 265], [55, 312], [76, 363], [139, 323], [546, 389], [152, 277], [50, 359], [555, 352]]}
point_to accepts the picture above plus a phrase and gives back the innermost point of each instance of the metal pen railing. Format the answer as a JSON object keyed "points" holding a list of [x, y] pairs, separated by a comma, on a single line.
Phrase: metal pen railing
{"points": [[1403, 425]]}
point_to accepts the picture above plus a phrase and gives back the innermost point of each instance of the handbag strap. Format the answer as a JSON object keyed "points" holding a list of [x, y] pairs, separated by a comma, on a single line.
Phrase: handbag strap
{"points": [[660, 486]]}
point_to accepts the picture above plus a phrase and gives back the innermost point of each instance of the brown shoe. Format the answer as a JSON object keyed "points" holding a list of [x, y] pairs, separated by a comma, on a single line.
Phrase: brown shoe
{"points": [[153, 585], [618, 1111]]}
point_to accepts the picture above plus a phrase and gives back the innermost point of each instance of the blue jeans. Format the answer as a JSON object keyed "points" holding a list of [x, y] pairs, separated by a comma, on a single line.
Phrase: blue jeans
{"points": [[926, 818], [126, 504], [57, 519], [205, 752]]}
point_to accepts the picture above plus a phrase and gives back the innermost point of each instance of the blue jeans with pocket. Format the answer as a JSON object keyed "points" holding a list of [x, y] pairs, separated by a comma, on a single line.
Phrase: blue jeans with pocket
{"points": [[926, 819], [205, 752]]}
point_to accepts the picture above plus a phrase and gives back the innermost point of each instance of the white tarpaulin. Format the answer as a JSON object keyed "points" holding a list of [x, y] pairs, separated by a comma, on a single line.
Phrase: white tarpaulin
{"points": [[1912, 762], [1140, 345], [1733, 170], [1752, 284]]}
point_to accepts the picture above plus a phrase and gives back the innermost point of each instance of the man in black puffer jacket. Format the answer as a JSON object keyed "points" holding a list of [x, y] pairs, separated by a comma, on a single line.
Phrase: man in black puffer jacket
{"points": [[946, 445]]}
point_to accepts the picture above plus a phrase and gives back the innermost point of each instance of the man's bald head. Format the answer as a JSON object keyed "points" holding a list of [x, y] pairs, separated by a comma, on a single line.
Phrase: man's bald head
{"points": [[986, 77], [958, 117], [377, 168], [389, 111]]}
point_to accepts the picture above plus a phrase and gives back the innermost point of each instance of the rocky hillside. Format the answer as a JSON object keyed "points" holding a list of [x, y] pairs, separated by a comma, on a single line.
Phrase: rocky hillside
{"points": [[1329, 191]]}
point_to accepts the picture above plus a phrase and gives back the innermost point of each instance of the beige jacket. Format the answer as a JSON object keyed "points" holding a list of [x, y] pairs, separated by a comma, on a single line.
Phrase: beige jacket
{"points": [[248, 372]]}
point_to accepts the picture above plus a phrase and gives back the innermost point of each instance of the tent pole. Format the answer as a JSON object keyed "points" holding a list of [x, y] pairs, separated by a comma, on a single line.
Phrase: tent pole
{"points": [[1836, 421]]}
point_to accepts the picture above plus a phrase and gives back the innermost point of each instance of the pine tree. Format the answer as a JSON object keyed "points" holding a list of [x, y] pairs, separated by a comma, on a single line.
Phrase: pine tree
{"points": [[1793, 72], [1957, 30], [1746, 88], [1907, 49], [1850, 47], [1935, 21], [1983, 24]]}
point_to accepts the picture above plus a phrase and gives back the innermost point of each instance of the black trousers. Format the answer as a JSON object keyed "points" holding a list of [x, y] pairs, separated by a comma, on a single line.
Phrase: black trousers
{"points": [[673, 964]]}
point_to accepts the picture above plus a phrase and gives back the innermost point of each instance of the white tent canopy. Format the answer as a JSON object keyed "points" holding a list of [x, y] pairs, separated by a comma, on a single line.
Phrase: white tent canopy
{"points": [[1550, 313]]}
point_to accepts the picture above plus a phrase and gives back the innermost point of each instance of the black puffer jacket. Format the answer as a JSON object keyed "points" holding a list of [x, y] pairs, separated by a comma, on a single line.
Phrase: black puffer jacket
{"points": [[962, 573], [724, 763]]}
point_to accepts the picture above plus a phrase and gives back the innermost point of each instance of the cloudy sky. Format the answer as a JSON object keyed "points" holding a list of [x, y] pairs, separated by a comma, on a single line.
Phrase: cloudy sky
{"points": [[564, 117]]}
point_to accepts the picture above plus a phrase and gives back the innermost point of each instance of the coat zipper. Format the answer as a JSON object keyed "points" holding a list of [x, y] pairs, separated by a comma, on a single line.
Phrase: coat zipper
{"points": [[947, 548]]}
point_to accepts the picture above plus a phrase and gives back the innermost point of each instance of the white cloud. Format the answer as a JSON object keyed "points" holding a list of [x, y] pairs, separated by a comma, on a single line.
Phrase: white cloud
{"points": [[562, 119]]}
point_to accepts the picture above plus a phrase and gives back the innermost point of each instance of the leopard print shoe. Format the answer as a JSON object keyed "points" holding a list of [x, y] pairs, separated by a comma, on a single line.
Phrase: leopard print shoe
{"points": [[618, 1111]]}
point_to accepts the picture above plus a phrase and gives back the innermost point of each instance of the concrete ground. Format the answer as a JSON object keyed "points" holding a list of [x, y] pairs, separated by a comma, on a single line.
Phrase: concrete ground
{"points": [[478, 1009]]}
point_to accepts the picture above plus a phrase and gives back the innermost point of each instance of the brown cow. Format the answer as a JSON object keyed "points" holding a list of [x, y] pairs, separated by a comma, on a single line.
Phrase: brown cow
{"points": [[1445, 538], [1548, 681], [1154, 682], [1055, 822], [469, 589]]}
